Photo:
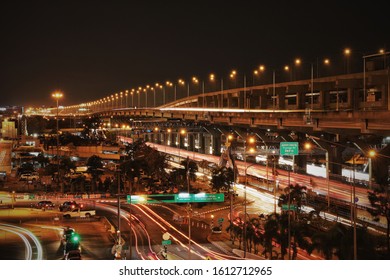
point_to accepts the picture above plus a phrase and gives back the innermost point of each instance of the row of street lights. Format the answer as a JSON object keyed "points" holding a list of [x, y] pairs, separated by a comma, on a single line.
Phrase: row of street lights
{"points": [[115, 100]]}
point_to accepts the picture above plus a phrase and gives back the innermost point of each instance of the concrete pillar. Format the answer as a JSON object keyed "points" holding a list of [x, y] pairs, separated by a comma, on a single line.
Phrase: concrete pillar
{"points": [[263, 101], [229, 100], [321, 100]]}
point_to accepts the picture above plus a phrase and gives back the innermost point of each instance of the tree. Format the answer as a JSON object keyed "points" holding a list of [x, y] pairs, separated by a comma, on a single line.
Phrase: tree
{"points": [[294, 195], [337, 243], [95, 168], [42, 160], [186, 172], [271, 233], [66, 164], [222, 178]]}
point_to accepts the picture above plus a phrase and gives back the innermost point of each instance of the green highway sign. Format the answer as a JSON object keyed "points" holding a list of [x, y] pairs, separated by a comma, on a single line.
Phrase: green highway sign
{"points": [[166, 242], [176, 198], [292, 207], [289, 148]]}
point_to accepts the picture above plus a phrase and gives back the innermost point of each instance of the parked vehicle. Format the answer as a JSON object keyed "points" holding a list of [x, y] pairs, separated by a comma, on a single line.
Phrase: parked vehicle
{"points": [[79, 174], [74, 175], [79, 213], [45, 204], [29, 177]]}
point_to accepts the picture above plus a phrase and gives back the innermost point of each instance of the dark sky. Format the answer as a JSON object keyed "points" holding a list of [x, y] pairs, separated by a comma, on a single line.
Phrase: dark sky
{"points": [[91, 49]]}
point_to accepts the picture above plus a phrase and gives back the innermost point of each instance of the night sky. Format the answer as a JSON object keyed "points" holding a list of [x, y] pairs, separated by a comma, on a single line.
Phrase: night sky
{"points": [[91, 49]]}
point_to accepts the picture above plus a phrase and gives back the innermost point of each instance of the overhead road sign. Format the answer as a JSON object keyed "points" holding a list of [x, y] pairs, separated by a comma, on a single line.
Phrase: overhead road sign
{"points": [[292, 207], [176, 198], [289, 148]]}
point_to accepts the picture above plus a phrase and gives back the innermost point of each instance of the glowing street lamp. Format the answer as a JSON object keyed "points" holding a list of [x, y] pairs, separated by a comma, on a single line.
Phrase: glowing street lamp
{"points": [[347, 54], [57, 96]]}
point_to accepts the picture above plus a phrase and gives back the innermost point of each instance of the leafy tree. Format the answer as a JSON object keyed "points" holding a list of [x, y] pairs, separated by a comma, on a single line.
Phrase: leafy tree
{"points": [[42, 160], [95, 168], [271, 233], [337, 242], [222, 179], [66, 164], [25, 168], [179, 175], [293, 195]]}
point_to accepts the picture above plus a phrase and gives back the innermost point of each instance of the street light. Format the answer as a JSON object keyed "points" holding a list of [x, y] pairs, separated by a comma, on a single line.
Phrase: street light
{"points": [[57, 95], [256, 73], [182, 131], [189, 209], [347, 53], [353, 192], [308, 146], [249, 144], [298, 63]]}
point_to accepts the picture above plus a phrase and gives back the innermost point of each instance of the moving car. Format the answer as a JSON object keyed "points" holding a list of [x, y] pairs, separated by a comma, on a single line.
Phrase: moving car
{"points": [[68, 205]]}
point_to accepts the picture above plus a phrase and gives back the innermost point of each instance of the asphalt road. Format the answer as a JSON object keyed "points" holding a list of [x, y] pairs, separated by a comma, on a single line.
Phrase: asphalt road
{"points": [[96, 242]]}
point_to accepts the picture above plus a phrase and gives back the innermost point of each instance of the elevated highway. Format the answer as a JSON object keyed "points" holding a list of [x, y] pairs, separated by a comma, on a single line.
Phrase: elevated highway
{"points": [[353, 104], [349, 112]]}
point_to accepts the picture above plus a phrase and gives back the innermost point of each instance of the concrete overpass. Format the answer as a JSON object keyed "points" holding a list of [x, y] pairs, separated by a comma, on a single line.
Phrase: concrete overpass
{"points": [[352, 104]]}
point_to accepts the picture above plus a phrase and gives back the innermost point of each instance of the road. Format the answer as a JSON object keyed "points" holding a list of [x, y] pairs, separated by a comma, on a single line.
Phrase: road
{"points": [[27, 233]]}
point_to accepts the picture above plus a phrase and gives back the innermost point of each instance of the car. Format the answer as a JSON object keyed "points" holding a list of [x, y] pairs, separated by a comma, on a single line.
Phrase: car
{"points": [[75, 175], [68, 205], [45, 204], [29, 177], [217, 229], [73, 255]]}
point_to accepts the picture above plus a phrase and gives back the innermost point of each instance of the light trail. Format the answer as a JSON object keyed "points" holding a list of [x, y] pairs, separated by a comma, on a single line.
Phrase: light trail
{"points": [[125, 215], [25, 235], [207, 250]]}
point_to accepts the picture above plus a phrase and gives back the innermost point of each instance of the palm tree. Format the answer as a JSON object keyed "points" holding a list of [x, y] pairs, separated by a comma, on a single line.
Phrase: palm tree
{"points": [[186, 174], [95, 168], [236, 229], [271, 233], [222, 179]]}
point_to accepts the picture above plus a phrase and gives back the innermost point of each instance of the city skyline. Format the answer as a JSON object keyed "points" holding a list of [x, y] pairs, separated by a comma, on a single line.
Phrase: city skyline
{"points": [[90, 50]]}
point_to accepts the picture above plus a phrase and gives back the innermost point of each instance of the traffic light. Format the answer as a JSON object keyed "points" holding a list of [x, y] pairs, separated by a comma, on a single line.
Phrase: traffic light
{"points": [[250, 144]]}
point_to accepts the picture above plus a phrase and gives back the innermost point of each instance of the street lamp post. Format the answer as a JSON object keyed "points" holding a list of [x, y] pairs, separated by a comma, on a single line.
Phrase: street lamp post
{"points": [[251, 141], [189, 209], [308, 146], [273, 91], [57, 96], [119, 207]]}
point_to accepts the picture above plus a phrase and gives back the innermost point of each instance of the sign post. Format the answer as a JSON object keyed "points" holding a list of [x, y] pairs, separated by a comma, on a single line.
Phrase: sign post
{"points": [[289, 149]]}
